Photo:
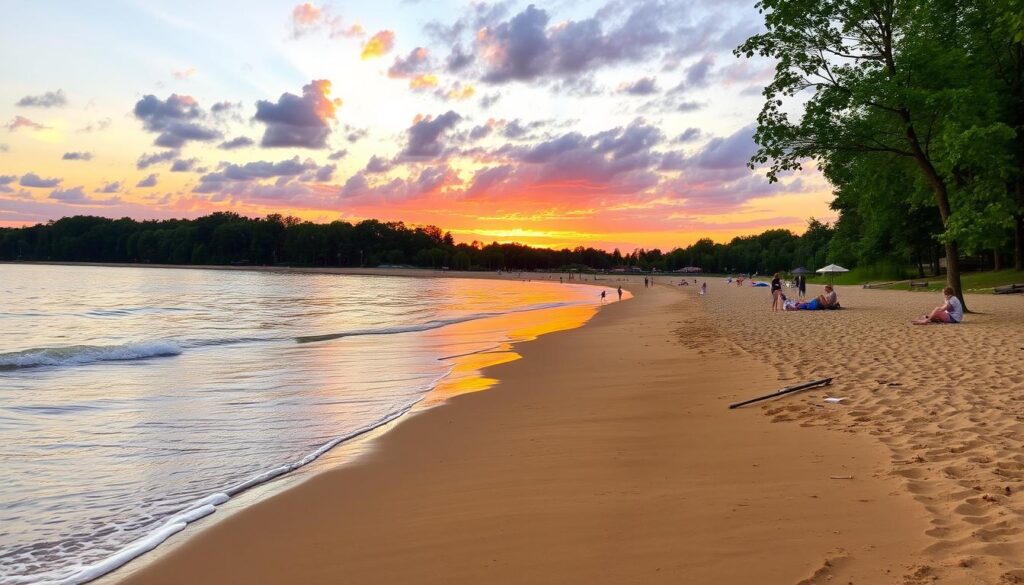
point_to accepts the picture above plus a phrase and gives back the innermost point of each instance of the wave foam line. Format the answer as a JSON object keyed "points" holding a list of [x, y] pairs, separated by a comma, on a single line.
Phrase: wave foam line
{"points": [[205, 506], [86, 354], [427, 325]]}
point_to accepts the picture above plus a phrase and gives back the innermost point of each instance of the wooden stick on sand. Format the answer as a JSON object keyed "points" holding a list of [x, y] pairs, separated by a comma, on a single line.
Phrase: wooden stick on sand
{"points": [[786, 390]]}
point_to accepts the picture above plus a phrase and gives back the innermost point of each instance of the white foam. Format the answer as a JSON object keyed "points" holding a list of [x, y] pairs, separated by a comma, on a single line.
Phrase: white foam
{"points": [[86, 354]]}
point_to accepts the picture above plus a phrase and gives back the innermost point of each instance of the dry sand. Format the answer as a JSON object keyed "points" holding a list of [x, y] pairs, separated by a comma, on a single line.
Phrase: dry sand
{"points": [[607, 455], [946, 400]]}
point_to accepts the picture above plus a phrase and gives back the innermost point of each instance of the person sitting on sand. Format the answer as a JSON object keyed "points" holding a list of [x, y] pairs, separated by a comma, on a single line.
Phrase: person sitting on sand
{"points": [[827, 300], [949, 312]]}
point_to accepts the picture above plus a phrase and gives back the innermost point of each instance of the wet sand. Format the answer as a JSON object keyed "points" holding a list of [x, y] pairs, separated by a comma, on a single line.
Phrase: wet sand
{"points": [[607, 454]]}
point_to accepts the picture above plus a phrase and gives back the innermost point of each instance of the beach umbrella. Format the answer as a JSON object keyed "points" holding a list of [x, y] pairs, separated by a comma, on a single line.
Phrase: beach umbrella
{"points": [[801, 270], [831, 270]]}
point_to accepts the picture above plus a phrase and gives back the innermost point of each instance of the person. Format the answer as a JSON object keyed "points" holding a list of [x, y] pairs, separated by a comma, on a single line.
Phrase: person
{"points": [[645, 282], [950, 311], [801, 286], [704, 288], [620, 292], [827, 300], [602, 296], [776, 292]]}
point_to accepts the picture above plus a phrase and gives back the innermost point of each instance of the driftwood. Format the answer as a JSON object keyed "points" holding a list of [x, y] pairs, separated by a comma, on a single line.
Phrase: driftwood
{"points": [[784, 391]]}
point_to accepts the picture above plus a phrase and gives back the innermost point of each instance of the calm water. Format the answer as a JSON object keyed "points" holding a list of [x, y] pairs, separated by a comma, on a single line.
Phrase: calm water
{"points": [[135, 400]]}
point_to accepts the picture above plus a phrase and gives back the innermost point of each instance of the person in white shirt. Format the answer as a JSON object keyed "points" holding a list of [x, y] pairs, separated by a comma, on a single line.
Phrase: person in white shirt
{"points": [[950, 312]]}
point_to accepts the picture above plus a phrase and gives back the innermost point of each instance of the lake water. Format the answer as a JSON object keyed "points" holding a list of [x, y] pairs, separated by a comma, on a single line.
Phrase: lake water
{"points": [[136, 400]]}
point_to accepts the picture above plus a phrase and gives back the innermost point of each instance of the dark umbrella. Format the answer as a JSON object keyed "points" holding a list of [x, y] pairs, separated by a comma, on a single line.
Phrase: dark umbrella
{"points": [[801, 270]]}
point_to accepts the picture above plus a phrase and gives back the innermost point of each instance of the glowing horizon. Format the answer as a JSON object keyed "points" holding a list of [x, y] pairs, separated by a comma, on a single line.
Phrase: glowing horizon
{"points": [[591, 124]]}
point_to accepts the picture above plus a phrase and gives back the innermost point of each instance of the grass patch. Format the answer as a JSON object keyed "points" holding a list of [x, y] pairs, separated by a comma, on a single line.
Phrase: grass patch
{"points": [[971, 281]]}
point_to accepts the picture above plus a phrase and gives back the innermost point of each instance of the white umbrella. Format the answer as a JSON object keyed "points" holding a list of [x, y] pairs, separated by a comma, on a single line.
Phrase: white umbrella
{"points": [[831, 270]]}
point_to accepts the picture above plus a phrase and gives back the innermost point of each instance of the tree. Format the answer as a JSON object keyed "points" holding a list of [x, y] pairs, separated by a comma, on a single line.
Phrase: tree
{"points": [[889, 77]]}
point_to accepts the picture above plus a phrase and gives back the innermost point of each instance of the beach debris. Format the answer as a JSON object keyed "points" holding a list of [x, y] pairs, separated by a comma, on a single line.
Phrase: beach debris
{"points": [[840, 477], [832, 400], [783, 391]]}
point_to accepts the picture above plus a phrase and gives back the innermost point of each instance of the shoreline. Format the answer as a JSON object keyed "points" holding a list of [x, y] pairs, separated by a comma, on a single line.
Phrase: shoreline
{"points": [[509, 329], [357, 522]]}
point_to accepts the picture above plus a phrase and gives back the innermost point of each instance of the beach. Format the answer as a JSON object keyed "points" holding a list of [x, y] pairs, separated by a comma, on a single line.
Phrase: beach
{"points": [[608, 454]]}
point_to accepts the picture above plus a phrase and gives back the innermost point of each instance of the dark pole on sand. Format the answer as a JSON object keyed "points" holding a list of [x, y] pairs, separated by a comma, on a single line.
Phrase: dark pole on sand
{"points": [[786, 390]]}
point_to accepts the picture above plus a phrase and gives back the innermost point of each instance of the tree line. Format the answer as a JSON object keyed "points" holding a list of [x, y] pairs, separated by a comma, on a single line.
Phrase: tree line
{"points": [[229, 238], [914, 111]]}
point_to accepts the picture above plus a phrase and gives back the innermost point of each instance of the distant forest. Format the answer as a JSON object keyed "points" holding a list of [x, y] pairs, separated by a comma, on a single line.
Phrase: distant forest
{"points": [[229, 238]]}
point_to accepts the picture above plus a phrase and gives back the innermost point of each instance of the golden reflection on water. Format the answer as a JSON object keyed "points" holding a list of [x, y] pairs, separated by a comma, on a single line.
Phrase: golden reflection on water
{"points": [[467, 370]]}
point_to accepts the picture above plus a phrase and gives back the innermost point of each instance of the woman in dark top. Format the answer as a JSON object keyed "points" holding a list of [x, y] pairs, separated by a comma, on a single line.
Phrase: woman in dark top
{"points": [[776, 293]]}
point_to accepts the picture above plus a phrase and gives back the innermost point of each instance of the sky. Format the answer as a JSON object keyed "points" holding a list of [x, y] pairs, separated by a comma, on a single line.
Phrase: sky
{"points": [[610, 124]]}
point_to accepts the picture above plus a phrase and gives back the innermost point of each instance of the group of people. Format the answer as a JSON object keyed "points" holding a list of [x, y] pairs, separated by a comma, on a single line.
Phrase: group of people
{"points": [[826, 300]]}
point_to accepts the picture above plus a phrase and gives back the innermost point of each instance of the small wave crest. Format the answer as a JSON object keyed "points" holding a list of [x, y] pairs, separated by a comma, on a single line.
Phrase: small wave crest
{"points": [[76, 355]]}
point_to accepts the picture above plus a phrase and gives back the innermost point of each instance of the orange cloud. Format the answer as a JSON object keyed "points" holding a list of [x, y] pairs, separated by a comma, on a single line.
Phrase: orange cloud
{"points": [[379, 45], [424, 81], [306, 14], [461, 92]]}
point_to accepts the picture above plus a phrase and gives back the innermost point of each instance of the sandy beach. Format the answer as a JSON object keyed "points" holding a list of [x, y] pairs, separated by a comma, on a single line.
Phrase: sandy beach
{"points": [[607, 454]]}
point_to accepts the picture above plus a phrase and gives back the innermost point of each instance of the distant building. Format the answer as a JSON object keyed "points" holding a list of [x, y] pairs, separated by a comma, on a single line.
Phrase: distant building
{"points": [[691, 269]]}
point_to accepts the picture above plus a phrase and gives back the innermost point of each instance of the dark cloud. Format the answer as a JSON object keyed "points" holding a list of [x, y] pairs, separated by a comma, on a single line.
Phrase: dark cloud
{"points": [[689, 135], [378, 164], [475, 17], [672, 161], [621, 159], [524, 48], [255, 171], [85, 156], [147, 160], [298, 121], [78, 196], [50, 99], [489, 100], [23, 122], [426, 133], [176, 120], [338, 154], [6, 180], [184, 165], [110, 187], [458, 59], [487, 179], [727, 153], [642, 86], [480, 132], [97, 126], [430, 179], [149, 181], [34, 180], [235, 143], [698, 73], [73, 195], [325, 173], [415, 63], [355, 134]]}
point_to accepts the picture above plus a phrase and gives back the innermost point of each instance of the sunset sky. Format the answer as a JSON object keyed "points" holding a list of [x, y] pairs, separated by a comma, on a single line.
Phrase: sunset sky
{"points": [[615, 124]]}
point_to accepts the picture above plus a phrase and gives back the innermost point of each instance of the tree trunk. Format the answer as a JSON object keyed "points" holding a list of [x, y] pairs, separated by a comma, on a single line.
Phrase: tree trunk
{"points": [[996, 262], [942, 200]]}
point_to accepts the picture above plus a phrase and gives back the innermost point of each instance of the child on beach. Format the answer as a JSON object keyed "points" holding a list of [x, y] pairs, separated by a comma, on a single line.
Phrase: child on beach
{"points": [[950, 311], [620, 293]]}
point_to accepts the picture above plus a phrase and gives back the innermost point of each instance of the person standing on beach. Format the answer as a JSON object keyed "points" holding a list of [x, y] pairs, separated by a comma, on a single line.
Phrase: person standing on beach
{"points": [[776, 292], [801, 286], [620, 292], [602, 297]]}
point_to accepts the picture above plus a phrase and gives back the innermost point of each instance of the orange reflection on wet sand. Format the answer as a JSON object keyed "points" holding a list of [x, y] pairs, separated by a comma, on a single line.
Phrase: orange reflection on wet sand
{"points": [[467, 370]]}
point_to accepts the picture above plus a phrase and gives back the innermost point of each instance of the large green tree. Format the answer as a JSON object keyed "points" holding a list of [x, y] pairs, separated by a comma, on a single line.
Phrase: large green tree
{"points": [[889, 78]]}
